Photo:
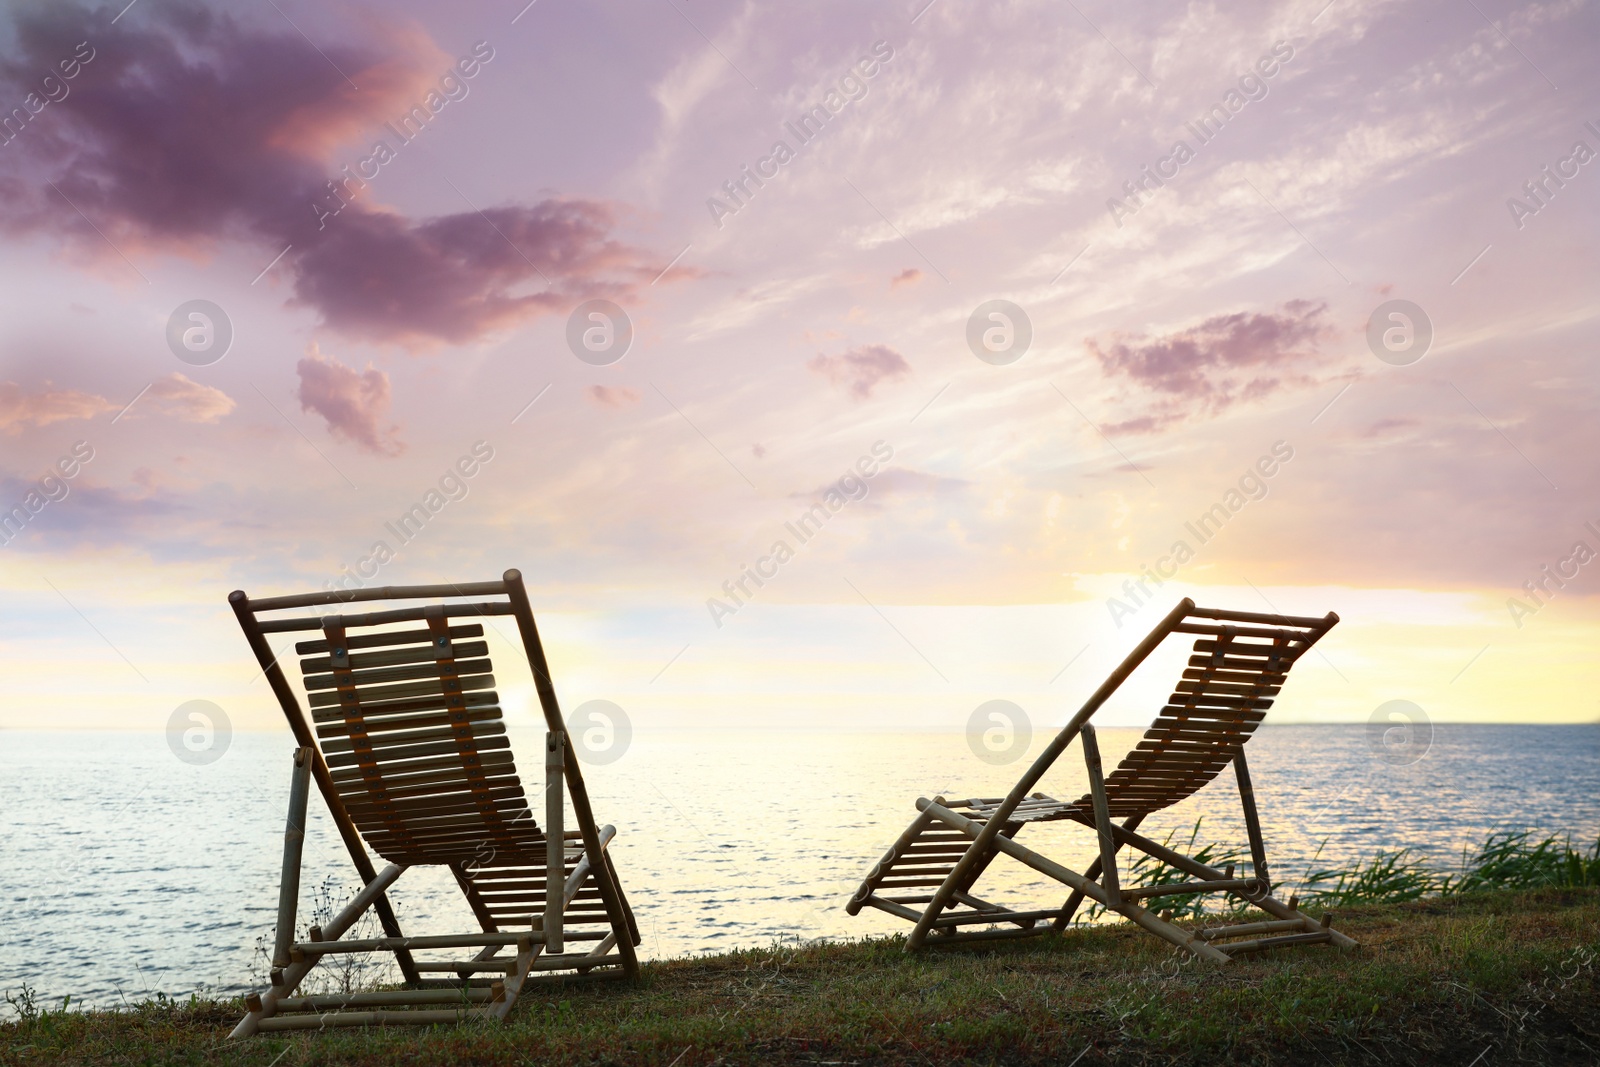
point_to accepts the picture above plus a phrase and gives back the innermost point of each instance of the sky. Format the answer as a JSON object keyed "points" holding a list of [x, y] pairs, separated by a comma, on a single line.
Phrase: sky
{"points": [[1325, 274]]}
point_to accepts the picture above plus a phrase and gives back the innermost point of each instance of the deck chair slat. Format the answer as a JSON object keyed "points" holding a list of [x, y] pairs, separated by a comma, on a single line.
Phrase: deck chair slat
{"points": [[1209, 700], [380, 675], [462, 845], [1214, 687], [380, 717], [1209, 742], [443, 702], [1239, 663], [1236, 677], [1222, 630], [383, 618], [395, 759], [466, 803], [1155, 767], [490, 786], [413, 808], [1203, 713], [342, 728], [385, 699], [434, 824], [398, 656], [375, 695], [487, 761], [1280, 646], [381, 640], [511, 891], [384, 741]]}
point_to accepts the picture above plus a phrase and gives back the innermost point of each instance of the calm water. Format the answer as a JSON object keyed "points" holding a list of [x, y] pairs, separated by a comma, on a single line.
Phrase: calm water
{"points": [[124, 871]]}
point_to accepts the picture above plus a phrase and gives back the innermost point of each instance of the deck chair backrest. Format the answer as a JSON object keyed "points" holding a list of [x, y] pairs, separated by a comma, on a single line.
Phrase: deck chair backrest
{"points": [[410, 726], [412, 753], [1225, 692]]}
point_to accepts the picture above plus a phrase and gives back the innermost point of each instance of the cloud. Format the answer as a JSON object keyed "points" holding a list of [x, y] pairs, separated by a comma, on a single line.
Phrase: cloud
{"points": [[909, 276], [861, 368], [608, 397], [188, 128], [20, 410], [901, 480], [897, 481], [353, 403], [190, 401], [1224, 360]]}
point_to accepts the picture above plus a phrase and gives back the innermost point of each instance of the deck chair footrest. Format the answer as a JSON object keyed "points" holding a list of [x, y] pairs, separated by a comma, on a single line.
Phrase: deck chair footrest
{"points": [[394, 998], [1230, 885], [389, 944], [366, 1018], [1214, 933], [1264, 943], [974, 918]]}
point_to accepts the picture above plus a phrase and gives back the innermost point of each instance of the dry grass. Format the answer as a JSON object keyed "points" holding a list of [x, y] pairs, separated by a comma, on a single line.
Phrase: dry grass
{"points": [[1436, 981]]}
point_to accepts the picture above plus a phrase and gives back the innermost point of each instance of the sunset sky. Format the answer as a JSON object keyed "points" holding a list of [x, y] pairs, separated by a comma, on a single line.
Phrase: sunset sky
{"points": [[1186, 337]]}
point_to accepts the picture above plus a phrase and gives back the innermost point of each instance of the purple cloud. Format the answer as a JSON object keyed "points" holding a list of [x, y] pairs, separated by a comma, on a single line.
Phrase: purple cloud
{"points": [[1224, 360], [607, 396], [353, 403], [862, 368], [21, 410], [188, 127]]}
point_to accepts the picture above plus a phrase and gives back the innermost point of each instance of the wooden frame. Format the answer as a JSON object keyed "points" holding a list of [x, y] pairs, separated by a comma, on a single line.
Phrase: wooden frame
{"points": [[1241, 660], [409, 755]]}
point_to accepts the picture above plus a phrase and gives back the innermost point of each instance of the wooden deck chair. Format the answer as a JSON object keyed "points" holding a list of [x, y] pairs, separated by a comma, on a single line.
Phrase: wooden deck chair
{"points": [[410, 753], [1239, 664]]}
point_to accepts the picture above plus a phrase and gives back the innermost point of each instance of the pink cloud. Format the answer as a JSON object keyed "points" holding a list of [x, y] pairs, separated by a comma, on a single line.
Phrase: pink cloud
{"points": [[1209, 367], [20, 410], [613, 396], [353, 403], [862, 368], [909, 276], [248, 157], [190, 401]]}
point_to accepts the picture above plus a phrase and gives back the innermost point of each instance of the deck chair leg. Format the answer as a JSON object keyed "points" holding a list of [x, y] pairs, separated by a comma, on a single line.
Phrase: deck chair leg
{"points": [[1252, 822], [1102, 815], [1075, 901], [1067, 876], [555, 852], [611, 898], [527, 949], [577, 792], [291, 976], [475, 901], [1266, 902], [627, 909], [294, 839]]}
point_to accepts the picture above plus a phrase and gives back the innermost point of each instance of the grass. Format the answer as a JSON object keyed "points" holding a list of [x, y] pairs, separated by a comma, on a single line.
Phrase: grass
{"points": [[1494, 963], [1439, 980], [1509, 859]]}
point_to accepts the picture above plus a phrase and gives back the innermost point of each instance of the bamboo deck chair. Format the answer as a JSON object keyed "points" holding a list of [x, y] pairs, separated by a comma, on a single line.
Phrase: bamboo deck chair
{"points": [[410, 753], [1239, 664]]}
